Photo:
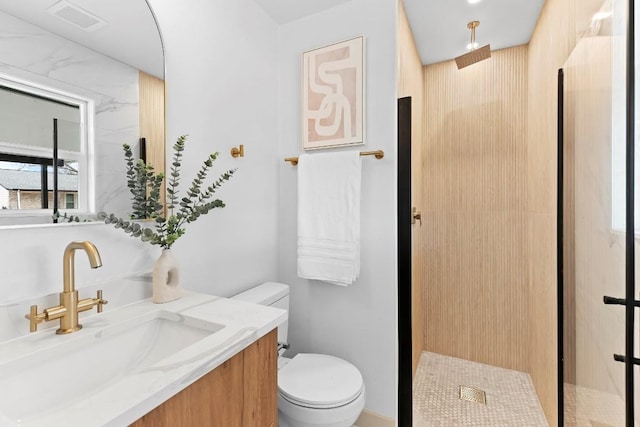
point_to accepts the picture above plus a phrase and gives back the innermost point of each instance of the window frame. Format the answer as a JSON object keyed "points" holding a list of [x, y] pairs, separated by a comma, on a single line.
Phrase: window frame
{"points": [[66, 200]]}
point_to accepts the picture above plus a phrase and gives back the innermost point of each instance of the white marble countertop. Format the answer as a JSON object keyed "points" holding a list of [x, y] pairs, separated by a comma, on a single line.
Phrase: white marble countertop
{"points": [[126, 397]]}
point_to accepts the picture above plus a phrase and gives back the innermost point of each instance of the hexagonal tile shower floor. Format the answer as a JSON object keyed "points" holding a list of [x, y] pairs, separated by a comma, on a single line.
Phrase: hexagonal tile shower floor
{"points": [[510, 397]]}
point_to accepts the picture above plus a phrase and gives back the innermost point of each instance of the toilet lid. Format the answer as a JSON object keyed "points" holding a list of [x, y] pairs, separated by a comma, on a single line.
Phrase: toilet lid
{"points": [[319, 381]]}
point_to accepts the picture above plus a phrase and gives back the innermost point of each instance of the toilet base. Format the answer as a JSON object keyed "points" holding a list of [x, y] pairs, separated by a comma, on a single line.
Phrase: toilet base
{"points": [[292, 415]]}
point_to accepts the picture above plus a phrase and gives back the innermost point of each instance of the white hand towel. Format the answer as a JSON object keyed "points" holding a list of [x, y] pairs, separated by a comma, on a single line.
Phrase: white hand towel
{"points": [[329, 216]]}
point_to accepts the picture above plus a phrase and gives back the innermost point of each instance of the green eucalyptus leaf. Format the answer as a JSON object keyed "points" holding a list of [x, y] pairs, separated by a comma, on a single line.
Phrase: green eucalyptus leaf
{"points": [[145, 187]]}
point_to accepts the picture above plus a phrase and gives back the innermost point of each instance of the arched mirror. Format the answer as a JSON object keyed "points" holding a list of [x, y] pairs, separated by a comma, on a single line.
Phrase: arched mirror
{"points": [[78, 79]]}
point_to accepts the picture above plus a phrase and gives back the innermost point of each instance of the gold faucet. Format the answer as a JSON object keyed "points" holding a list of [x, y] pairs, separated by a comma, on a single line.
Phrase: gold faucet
{"points": [[69, 306]]}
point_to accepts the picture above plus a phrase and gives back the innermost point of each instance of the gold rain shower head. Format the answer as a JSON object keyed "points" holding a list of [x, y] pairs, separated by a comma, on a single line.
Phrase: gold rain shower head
{"points": [[476, 54]]}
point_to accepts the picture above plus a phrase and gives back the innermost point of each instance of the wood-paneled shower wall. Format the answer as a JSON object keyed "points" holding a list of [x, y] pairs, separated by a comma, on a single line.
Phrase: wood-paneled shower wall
{"points": [[475, 188], [555, 36], [411, 83]]}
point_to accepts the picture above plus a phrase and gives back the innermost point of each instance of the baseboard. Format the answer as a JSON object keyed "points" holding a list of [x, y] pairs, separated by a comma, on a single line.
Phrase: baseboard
{"points": [[371, 419]]}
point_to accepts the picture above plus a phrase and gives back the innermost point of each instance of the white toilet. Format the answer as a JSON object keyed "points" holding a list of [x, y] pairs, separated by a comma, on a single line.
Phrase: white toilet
{"points": [[313, 389]]}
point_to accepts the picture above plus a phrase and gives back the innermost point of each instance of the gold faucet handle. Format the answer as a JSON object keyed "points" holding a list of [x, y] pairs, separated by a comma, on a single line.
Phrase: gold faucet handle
{"points": [[35, 318], [100, 302]]}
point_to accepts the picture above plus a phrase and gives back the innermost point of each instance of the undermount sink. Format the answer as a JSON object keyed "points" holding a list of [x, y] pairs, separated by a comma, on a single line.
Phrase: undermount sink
{"points": [[76, 366]]}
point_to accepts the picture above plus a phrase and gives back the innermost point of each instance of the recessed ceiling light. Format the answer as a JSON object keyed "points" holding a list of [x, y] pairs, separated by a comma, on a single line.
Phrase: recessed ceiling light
{"points": [[473, 1]]}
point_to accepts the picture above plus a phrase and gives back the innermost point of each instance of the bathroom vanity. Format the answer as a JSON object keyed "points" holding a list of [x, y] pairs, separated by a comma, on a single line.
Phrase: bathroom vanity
{"points": [[243, 391], [200, 360]]}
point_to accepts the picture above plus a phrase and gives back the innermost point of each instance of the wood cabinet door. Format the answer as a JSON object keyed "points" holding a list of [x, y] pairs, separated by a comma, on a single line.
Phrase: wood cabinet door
{"points": [[242, 392]]}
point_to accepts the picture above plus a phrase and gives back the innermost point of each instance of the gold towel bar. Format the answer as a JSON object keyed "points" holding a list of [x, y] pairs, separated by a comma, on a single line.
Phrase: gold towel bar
{"points": [[378, 153]]}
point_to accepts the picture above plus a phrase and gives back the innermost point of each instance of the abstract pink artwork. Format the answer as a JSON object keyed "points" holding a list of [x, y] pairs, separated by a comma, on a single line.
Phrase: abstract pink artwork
{"points": [[332, 95]]}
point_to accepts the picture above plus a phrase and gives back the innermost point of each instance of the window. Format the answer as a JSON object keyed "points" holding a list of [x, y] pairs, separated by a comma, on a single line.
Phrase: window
{"points": [[69, 201]]}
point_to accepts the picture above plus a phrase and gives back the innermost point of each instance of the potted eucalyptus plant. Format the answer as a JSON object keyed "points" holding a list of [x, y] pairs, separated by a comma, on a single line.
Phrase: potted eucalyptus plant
{"points": [[145, 186]]}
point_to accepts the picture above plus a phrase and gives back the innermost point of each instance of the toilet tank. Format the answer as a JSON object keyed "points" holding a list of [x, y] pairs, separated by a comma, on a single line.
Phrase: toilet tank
{"points": [[272, 294]]}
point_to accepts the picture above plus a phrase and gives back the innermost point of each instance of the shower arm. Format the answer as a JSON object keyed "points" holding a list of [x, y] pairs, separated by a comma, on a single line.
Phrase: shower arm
{"points": [[472, 26]]}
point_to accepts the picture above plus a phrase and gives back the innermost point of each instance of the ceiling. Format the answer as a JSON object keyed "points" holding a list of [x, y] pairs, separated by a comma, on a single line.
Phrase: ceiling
{"points": [[283, 11], [440, 26], [129, 36]]}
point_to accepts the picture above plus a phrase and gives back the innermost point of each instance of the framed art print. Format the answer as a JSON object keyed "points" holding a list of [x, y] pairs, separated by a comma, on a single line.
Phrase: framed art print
{"points": [[333, 95]]}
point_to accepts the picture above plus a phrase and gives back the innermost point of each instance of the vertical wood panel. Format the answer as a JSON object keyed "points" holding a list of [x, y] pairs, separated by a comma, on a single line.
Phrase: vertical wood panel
{"points": [[152, 121], [411, 83], [548, 49], [261, 382], [476, 258]]}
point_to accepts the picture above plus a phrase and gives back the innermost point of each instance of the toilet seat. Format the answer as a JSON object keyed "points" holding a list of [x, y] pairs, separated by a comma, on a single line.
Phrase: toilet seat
{"points": [[319, 381]]}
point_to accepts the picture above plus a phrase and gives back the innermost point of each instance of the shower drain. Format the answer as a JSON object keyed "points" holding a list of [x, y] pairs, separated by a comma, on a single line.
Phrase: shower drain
{"points": [[472, 394]]}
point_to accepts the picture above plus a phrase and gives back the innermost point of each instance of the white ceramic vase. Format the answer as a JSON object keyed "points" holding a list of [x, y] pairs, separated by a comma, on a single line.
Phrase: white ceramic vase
{"points": [[166, 278]]}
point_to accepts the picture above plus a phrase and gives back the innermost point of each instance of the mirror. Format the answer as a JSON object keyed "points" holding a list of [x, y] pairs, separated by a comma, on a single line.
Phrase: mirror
{"points": [[100, 63]]}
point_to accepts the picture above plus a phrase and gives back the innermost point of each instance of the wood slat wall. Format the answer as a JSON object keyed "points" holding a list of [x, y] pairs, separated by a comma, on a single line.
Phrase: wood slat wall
{"points": [[411, 83], [549, 47], [476, 257], [554, 37], [152, 120]]}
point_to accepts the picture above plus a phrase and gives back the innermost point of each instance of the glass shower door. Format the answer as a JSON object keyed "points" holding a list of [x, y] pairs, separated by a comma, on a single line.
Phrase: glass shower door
{"points": [[593, 248]]}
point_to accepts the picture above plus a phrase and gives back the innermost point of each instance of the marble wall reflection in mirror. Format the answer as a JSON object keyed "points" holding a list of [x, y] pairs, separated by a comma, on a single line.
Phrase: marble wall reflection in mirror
{"points": [[105, 56]]}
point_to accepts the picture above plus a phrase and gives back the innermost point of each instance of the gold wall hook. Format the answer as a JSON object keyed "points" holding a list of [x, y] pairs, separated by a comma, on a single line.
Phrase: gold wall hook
{"points": [[292, 160], [237, 152]]}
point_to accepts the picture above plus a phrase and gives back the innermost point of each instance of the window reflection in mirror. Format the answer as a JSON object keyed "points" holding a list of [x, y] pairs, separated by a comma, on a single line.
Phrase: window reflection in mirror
{"points": [[43, 149]]}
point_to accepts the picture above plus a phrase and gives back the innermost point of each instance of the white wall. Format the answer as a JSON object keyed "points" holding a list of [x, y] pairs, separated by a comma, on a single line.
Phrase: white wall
{"points": [[357, 323], [222, 90]]}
